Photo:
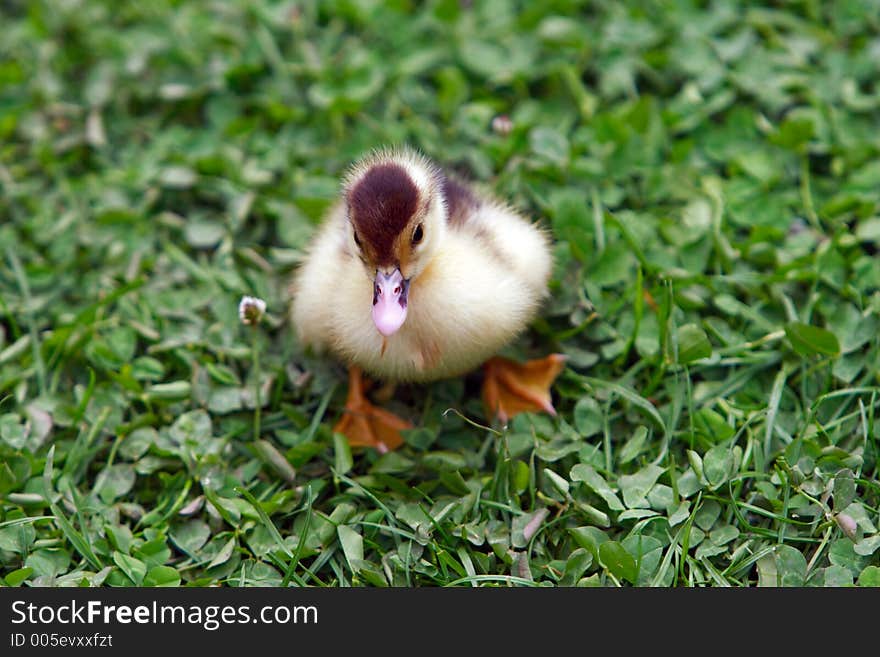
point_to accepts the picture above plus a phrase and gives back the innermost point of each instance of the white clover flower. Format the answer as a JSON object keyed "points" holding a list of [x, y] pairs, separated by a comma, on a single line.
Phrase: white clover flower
{"points": [[502, 125], [847, 525], [251, 310]]}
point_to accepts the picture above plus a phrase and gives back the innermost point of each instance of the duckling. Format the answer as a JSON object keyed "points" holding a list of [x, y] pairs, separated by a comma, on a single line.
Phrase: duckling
{"points": [[415, 276]]}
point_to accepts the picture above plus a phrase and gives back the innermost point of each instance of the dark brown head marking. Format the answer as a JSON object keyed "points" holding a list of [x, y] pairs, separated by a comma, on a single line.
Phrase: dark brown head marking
{"points": [[380, 205]]}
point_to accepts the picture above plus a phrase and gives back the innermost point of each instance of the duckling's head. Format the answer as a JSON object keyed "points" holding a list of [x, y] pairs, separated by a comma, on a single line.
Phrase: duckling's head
{"points": [[397, 221]]}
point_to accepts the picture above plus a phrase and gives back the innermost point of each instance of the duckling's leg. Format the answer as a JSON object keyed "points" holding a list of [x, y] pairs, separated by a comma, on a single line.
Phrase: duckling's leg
{"points": [[385, 392], [510, 387], [366, 425]]}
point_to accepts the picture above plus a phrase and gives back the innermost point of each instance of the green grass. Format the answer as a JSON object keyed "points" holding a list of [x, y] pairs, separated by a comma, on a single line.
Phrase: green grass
{"points": [[712, 178]]}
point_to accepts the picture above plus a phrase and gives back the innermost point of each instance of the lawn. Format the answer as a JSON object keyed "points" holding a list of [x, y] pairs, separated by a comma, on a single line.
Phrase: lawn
{"points": [[711, 176]]}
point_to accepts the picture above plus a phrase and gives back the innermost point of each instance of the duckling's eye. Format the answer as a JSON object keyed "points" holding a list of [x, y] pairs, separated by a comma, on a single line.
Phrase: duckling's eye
{"points": [[357, 239], [418, 234]]}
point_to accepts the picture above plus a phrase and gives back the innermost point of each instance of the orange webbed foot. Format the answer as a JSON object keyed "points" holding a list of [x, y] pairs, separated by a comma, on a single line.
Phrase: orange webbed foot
{"points": [[510, 387], [367, 425]]}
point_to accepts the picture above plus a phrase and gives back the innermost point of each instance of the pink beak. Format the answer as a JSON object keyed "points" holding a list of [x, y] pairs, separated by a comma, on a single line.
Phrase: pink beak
{"points": [[390, 293]]}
